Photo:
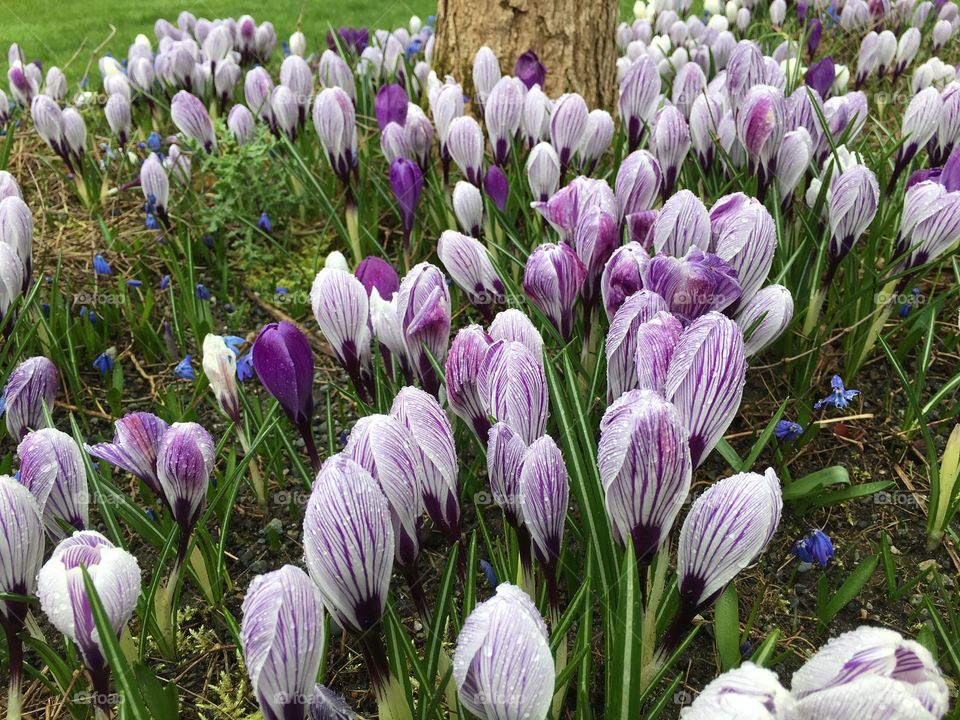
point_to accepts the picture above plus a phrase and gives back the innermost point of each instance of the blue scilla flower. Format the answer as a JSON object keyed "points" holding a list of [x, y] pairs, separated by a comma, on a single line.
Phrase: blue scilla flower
{"points": [[264, 223], [101, 266], [839, 396], [134, 283], [814, 547], [153, 141], [184, 370], [490, 573], [202, 292], [234, 342], [413, 49], [788, 430], [245, 366], [910, 303], [105, 361]]}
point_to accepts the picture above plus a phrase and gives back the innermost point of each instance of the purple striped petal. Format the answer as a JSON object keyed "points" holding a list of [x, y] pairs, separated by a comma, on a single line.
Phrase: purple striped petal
{"points": [[621, 342], [568, 121], [768, 314], [670, 142], [743, 234], [190, 116], [552, 279], [423, 307], [705, 380], [692, 285], [341, 308], [465, 144], [136, 442], [544, 496], [282, 639], [463, 366], [184, 463], [638, 183], [514, 325], [505, 453], [51, 467], [513, 386], [745, 692], [502, 112], [595, 238], [683, 223], [31, 386], [468, 263], [656, 340], [854, 196], [334, 119], [622, 276], [21, 547]]}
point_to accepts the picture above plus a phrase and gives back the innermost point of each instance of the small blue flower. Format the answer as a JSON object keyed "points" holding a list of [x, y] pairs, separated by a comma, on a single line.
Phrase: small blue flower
{"points": [[45, 309], [234, 342], [910, 303], [282, 291], [151, 222], [431, 19], [92, 316], [101, 266], [151, 514], [814, 547], [3, 403], [104, 362], [207, 240], [342, 438], [245, 366], [132, 283], [490, 573], [164, 282], [264, 223], [153, 142], [202, 292], [787, 430], [839, 397], [286, 48], [184, 370], [413, 49]]}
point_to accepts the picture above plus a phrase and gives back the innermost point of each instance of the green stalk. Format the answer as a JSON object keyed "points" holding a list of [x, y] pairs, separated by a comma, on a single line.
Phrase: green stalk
{"points": [[649, 661], [560, 659], [882, 315], [259, 482], [813, 310], [15, 652], [353, 226]]}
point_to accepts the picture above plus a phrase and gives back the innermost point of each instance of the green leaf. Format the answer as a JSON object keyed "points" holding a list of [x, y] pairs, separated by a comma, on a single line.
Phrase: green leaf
{"points": [[625, 662], [810, 485], [730, 455], [160, 697], [764, 651], [726, 628], [847, 592], [765, 436]]}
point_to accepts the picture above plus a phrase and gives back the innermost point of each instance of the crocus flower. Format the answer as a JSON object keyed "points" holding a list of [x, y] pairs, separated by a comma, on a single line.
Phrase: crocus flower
{"points": [[505, 453], [743, 234], [464, 142], [920, 122], [839, 396], [688, 85], [424, 313], [156, 187], [282, 639], [503, 666], [670, 142], [513, 387], [185, 460], [565, 209], [327, 705], [870, 673], [793, 158], [502, 113], [514, 325], [535, 121], [468, 207], [655, 342], [136, 441], [820, 76], [486, 73], [384, 447], [48, 120], [16, 231], [496, 187], [705, 380], [543, 171], [11, 278], [433, 437], [765, 317], [21, 553], [748, 691], [854, 195], [692, 285], [621, 342], [220, 367], [706, 115], [567, 125], [761, 124], [787, 430], [117, 111], [529, 70], [929, 224], [683, 222], [341, 308], [469, 265], [728, 526], [638, 183], [51, 467], [190, 116], [552, 279], [31, 387], [596, 139], [645, 469], [544, 496], [907, 48], [745, 70], [639, 90], [406, 182], [334, 119], [622, 276], [115, 575], [467, 351], [815, 546], [391, 105]]}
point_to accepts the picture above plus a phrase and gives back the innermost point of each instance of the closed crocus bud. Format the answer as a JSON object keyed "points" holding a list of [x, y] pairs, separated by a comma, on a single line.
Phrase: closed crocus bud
{"points": [[622, 276], [705, 380], [341, 308], [63, 596], [465, 145], [220, 367], [184, 462], [74, 133], [745, 69], [727, 527], [374, 272], [298, 44], [240, 122], [594, 238], [468, 207], [529, 70], [621, 340], [282, 638], [552, 279], [334, 72], [191, 118], [486, 73], [257, 89], [382, 445], [31, 387], [447, 107], [743, 234], [514, 325], [595, 140], [778, 12], [468, 264], [136, 441], [296, 75], [820, 77], [639, 91], [513, 387], [536, 116], [765, 317], [639, 226], [467, 351], [22, 86], [655, 340], [406, 182], [941, 145], [502, 112], [391, 105], [645, 469], [907, 48], [11, 278], [505, 453], [854, 195], [920, 122], [51, 467], [503, 666], [334, 119], [761, 126], [693, 285], [155, 185], [418, 136], [872, 672], [55, 86], [393, 142], [433, 437], [638, 183], [942, 32], [9, 188], [793, 159], [706, 114], [285, 111], [16, 231], [544, 497], [745, 692], [671, 143], [929, 225], [48, 119], [543, 171], [21, 553], [424, 311], [683, 223], [567, 125], [117, 111], [496, 186]]}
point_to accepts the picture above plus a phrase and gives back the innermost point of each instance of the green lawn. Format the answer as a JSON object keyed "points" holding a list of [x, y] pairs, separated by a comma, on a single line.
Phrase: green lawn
{"points": [[53, 30]]}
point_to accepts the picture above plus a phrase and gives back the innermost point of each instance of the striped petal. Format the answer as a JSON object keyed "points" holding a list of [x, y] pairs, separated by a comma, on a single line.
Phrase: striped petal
{"points": [[514, 325], [505, 453], [765, 317], [544, 496], [748, 691], [514, 387], [341, 307], [31, 386], [184, 463], [622, 276], [553, 278], [21, 546], [463, 366], [683, 223], [656, 341], [468, 263], [136, 441], [744, 236], [872, 698], [621, 343], [51, 467]]}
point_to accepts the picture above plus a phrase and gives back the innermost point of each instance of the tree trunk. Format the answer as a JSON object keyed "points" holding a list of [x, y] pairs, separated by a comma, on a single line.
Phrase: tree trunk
{"points": [[575, 40]]}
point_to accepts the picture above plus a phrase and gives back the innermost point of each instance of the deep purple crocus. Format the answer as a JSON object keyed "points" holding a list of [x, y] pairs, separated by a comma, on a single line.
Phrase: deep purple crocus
{"points": [[530, 70], [406, 181], [820, 76], [391, 105], [374, 272], [495, 183]]}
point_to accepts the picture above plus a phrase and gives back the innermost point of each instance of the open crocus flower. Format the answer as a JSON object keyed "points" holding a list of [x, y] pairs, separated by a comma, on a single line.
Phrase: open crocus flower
{"points": [[51, 467], [31, 387], [341, 308], [705, 380], [870, 673], [64, 599], [695, 284], [645, 468], [185, 460], [467, 351], [424, 314], [282, 639], [513, 387], [502, 665], [745, 692], [136, 441]]}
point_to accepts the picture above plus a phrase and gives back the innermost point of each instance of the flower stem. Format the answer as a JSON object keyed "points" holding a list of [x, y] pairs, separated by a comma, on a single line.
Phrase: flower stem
{"points": [[353, 226], [15, 653], [391, 699], [257, 480]]}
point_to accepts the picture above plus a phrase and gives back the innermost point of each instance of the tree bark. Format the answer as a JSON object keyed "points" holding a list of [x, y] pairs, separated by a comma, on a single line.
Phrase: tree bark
{"points": [[575, 40]]}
